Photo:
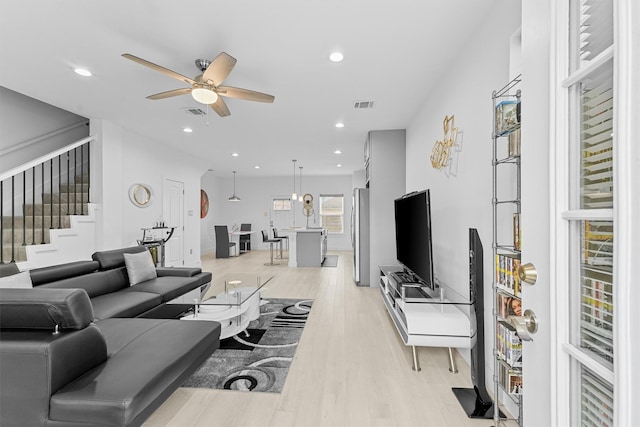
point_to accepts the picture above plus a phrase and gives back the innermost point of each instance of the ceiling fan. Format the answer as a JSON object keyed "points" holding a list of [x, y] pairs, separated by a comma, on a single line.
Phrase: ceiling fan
{"points": [[206, 88]]}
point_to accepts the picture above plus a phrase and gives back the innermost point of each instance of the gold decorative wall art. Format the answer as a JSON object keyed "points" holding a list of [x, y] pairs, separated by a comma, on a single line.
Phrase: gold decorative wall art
{"points": [[441, 152]]}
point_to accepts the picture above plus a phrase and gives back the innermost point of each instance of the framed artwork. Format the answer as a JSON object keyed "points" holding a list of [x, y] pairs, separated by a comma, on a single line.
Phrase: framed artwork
{"points": [[141, 195], [204, 204]]}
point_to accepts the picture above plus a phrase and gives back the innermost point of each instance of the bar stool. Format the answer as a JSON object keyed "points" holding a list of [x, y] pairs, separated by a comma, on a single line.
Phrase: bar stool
{"points": [[281, 238], [245, 239], [266, 239]]}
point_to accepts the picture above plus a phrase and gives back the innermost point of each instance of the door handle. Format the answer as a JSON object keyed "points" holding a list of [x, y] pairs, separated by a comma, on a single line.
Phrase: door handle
{"points": [[527, 273], [526, 325]]}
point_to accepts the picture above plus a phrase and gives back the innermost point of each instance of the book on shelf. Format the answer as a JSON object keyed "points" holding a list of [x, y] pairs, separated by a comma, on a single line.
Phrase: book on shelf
{"points": [[507, 273], [517, 236], [514, 143], [509, 345], [510, 379]]}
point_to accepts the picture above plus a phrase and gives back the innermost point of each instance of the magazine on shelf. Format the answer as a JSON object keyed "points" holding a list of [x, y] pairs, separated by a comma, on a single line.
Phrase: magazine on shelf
{"points": [[515, 383], [517, 236], [507, 273]]}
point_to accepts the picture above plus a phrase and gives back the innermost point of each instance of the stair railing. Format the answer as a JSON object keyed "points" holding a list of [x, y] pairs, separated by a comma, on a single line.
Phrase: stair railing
{"points": [[77, 156]]}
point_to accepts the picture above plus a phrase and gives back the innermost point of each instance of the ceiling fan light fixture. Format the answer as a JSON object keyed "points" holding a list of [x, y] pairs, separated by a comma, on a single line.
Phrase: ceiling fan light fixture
{"points": [[204, 95]]}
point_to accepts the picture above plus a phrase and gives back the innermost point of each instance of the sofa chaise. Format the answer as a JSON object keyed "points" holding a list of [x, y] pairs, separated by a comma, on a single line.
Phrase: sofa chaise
{"points": [[73, 352]]}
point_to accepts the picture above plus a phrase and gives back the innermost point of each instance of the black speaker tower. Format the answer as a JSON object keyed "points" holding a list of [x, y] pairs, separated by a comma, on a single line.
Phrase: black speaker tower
{"points": [[476, 401]]}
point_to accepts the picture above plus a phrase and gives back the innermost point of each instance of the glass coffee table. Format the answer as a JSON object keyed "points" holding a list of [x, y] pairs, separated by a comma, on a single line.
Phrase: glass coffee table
{"points": [[235, 302]]}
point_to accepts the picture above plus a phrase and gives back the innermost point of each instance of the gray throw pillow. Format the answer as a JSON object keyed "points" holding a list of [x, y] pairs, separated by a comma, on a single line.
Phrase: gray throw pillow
{"points": [[17, 281], [140, 267]]}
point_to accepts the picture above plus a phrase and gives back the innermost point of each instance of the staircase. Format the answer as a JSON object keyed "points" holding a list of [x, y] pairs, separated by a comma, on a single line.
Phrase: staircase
{"points": [[54, 212], [41, 201]]}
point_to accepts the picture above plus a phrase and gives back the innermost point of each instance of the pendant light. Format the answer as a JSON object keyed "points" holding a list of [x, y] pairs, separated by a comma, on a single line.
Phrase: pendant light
{"points": [[294, 195], [234, 198], [300, 195]]}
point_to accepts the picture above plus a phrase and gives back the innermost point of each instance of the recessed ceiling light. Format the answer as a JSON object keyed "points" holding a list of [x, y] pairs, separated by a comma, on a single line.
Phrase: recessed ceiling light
{"points": [[256, 167], [234, 154], [337, 152], [339, 165], [339, 125], [336, 57], [187, 130], [83, 72]]}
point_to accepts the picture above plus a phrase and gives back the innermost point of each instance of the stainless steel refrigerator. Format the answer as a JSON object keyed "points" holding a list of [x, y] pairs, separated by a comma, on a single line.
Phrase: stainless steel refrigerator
{"points": [[360, 235]]}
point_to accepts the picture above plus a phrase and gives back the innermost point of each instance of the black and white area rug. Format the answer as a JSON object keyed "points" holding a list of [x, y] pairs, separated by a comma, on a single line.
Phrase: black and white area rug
{"points": [[261, 360]]}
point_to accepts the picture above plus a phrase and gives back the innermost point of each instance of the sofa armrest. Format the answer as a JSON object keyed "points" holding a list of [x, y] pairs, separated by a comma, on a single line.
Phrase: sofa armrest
{"points": [[178, 271]]}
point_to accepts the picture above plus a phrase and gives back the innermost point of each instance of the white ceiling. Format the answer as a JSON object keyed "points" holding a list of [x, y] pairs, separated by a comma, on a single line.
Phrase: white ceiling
{"points": [[394, 51]]}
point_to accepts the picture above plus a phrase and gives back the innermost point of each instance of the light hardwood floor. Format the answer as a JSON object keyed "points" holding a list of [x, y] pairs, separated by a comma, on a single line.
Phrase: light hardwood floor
{"points": [[350, 369]]}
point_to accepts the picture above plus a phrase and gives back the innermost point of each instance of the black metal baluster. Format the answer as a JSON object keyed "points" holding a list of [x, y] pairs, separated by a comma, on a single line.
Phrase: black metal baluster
{"points": [[68, 186], [33, 204], [13, 220], [24, 208], [42, 198], [88, 172], [82, 175], [1, 222], [75, 181], [59, 191], [51, 191]]}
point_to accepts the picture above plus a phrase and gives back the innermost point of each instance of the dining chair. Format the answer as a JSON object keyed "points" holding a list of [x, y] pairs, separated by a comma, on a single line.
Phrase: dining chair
{"points": [[245, 239], [282, 239], [266, 239], [222, 242]]}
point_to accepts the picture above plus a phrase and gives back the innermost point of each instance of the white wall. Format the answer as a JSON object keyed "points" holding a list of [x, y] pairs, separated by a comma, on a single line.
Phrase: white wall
{"points": [[461, 199], [127, 159], [254, 207], [23, 120]]}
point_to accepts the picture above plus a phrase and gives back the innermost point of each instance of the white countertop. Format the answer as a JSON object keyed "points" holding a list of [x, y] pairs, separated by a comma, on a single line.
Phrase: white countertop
{"points": [[302, 230]]}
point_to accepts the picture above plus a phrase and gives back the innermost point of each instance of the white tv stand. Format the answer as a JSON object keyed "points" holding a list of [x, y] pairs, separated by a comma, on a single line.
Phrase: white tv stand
{"points": [[427, 318]]}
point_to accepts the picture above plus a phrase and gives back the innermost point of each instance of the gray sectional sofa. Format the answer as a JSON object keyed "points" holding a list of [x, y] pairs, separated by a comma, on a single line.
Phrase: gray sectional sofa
{"points": [[73, 353], [106, 281]]}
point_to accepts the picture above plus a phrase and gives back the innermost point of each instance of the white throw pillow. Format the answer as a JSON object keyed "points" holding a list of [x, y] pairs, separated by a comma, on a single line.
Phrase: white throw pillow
{"points": [[140, 267], [17, 281]]}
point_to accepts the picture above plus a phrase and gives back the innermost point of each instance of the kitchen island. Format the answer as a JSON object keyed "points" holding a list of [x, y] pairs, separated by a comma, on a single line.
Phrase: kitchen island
{"points": [[307, 246]]}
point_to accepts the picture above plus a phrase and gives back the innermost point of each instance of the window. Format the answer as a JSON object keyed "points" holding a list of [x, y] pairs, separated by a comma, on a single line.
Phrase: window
{"points": [[332, 213], [281, 204], [587, 339]]}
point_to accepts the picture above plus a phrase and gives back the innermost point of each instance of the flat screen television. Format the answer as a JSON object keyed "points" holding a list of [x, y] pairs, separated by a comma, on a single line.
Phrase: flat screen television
{"points": [[413, 235]]}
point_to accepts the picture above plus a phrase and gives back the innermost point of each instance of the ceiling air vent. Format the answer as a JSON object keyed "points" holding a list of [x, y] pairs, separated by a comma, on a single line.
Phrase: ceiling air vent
{"points": [[195, 111], [362, 104]]}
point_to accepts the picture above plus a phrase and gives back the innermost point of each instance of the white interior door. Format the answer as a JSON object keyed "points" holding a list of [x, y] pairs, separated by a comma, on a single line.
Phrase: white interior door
{"points": [[173, 216]]}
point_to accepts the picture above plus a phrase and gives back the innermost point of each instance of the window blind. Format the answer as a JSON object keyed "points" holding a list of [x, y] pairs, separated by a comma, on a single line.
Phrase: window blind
{"points": [[597, 141], [596, 406], [596, 305], [595, 27]]}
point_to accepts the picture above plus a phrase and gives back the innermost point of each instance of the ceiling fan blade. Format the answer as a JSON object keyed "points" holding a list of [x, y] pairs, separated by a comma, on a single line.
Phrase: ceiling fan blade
{"points": [[219, 68], [220, 107], [249, 95], [170, 93], [165, 71]]}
